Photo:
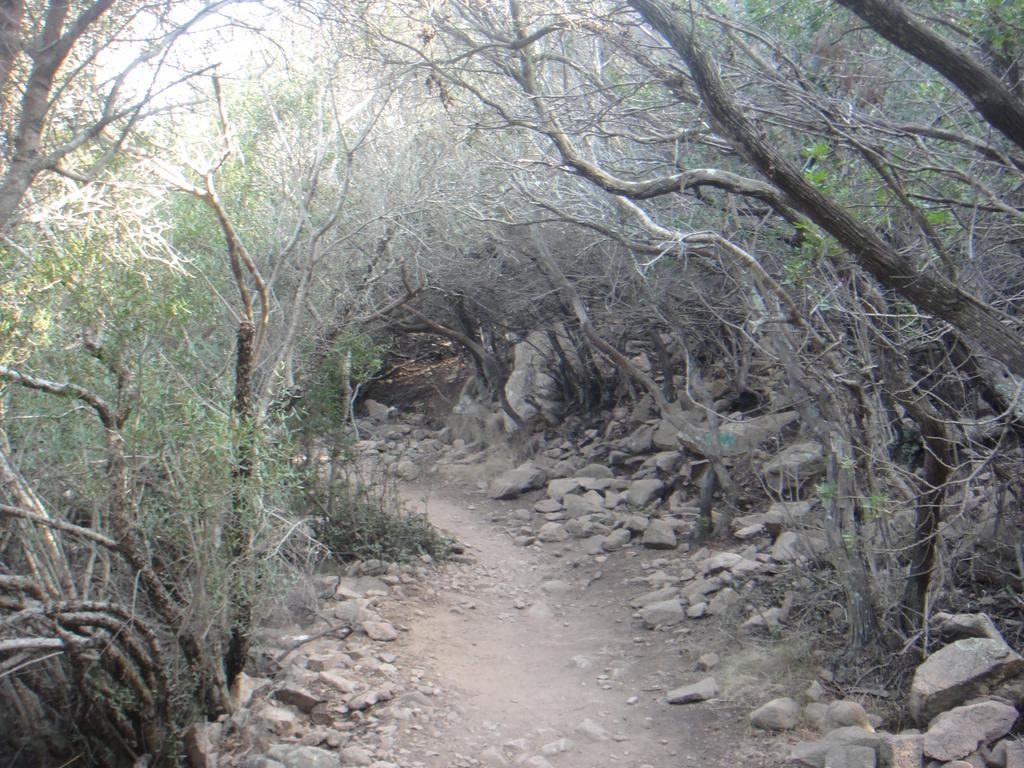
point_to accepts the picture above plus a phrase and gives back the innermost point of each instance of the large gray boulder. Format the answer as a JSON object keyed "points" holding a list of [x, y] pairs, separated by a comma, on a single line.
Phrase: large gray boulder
{"points": [[525, 477], [531, 389], [958, 672], [960, 731]]}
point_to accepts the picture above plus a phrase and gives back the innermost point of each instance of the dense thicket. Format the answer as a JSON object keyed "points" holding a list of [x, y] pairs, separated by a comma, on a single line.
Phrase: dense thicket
{"points": [[205, 253]]}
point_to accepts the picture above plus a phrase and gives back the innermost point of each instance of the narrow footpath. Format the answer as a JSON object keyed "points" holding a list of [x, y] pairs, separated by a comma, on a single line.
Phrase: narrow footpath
{"points": [[539, 662]]}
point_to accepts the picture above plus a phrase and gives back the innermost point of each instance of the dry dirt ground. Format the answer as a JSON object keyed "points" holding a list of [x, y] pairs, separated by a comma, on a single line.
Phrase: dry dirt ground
{"points": [[539, 661]]}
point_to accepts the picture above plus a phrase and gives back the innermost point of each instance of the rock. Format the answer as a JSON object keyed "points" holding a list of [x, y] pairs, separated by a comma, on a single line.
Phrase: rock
{"points": [[552, 532], [664, 437], [356, 755], [786, 514], [592, 730], [708, 661], [702, 587], [960, 731], [697, 610], [642, 492], [589, 503], [246, 687], [958, 626], [720, 604], [595, 471], [561, 487], [525, 477], [1007, 754], [660, 534], [786, 548], [957, 672], [380, 630], [744, 521], [300, 698], [363, 700], [376, 411], [530, 388], [850, 756], [354, 612], [815, 691], [794, 466], [557, 747], [338, 682], [407, 470], [723, 561], [657, 596], [303, 757], [814, 714], [841, 714], [667, 613], [583, 527], [903, 751], [736, 437], [616, 540], [667, 461], [200, 741], [547, 506], [640, 441], [353, 587], [766, 617], [814, 753], [689, 694], [777, 715], [259, 761], [635, 524], [493, 758], [749, 532]]}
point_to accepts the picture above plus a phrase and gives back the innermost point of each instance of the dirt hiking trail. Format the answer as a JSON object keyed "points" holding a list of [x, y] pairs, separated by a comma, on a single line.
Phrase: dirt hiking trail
{"points": [[541, 664]]}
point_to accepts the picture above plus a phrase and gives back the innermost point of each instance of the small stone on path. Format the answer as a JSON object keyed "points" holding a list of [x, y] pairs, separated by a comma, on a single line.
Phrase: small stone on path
{"points": [[689, 694]]}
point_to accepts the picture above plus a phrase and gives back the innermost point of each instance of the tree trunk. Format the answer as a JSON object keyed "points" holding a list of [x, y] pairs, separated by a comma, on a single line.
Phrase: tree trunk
{"points": [[237, 530], [938, 462], [989, 95], [926, 288]]}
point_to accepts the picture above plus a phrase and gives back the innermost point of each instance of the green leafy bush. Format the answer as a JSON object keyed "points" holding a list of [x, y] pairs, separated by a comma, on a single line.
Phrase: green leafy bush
{"points": [[361, 517]]}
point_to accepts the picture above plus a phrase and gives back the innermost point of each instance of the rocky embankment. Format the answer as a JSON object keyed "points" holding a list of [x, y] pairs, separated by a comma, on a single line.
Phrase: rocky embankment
{"points": [[335, 695]]}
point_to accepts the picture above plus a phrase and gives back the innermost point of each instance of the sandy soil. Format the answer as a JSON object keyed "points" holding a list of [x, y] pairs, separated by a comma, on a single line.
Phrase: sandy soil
{"points": [[540, 661]]}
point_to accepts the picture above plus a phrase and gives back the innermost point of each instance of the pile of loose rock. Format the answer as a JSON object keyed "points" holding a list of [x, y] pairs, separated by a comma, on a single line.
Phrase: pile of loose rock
{"points": [[615, 493], [964, 698], [332, 694]]}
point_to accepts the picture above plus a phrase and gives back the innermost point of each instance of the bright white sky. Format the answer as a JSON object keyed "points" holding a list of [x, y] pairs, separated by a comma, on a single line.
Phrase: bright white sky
{"points": [[226, 38]]}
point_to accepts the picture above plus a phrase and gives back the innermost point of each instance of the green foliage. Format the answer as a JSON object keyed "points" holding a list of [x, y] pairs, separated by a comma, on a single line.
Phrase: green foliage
{"points": [[361, 518], [826, 491], [354, 359], [877, 506]]}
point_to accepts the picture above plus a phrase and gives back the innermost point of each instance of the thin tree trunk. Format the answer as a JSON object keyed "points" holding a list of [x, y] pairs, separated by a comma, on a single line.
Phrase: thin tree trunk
{"points": [[237, 530]]}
